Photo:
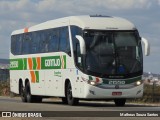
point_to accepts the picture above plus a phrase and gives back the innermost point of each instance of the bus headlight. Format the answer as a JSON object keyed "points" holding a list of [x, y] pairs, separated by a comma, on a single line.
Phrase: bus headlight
{"points": [[138, 83], [92, 83]]}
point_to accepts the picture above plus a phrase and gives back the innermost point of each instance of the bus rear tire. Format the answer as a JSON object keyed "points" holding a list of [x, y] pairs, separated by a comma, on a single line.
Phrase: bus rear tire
{"points": [[37, 99], [64, 100], [31, 98], [22, 93], [120, 102], [70, 99]]}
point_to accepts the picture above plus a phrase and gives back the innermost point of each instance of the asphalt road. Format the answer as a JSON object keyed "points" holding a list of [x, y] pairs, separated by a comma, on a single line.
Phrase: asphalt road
{"points": [[84, 108]]}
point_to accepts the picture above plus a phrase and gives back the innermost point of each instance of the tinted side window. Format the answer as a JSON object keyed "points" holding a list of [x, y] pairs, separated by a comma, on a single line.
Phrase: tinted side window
{"points": [[42, 42], [75, 31], [64, 44], [18, 44], [52, 40], [13, 44], [27, 43], [76, 47]]}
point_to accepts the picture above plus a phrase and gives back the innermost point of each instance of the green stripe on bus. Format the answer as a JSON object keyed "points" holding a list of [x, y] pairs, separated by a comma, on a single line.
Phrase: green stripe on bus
{"points": [[90, 77], [51, 62], [34, 63], [25, 63], [64, 57], [37, 76], [16, 64]]}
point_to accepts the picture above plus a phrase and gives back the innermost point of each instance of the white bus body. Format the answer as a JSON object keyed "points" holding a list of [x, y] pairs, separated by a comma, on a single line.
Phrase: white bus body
{"points": [[39, 69]]}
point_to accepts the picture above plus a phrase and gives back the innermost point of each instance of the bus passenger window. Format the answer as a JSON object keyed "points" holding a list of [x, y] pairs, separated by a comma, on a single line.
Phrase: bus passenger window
{"points": [[13, 44], [53, 40], [26, 44], [64, 40], [18, 49]]}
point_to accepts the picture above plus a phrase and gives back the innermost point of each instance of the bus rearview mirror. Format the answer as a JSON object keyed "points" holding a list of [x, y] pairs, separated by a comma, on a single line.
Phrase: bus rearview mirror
{"points": [[146, 46], [82, 44]]}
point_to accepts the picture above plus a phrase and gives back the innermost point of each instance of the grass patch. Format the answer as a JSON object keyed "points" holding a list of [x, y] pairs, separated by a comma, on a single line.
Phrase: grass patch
{"points": [[151, 95], [4, 88]]}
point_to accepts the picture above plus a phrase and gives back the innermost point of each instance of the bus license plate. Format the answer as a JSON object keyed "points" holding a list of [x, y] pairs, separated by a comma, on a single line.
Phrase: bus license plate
{"points": [[116, 93]]}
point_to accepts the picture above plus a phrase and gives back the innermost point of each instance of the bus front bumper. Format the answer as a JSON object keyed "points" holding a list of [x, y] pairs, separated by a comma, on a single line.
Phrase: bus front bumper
{"points": [[93, 92]]}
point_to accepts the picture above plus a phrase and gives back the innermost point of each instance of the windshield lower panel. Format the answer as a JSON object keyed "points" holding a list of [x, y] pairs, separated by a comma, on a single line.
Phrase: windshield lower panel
{"points": [[113, 54]]}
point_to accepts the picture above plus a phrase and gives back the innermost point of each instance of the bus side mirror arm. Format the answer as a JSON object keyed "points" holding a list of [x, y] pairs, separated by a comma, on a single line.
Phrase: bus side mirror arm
{"points": [[146, 46], [82, 44]]}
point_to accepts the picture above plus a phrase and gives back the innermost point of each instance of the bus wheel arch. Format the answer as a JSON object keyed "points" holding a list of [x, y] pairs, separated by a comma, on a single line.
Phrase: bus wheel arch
{"points": [[68, 94]]}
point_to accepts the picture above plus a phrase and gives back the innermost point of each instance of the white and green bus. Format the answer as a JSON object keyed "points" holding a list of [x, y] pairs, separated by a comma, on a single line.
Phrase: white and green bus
{"points": [[79, 57]]}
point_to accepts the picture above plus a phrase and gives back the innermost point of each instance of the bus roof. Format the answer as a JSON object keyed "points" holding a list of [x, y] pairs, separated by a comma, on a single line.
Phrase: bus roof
{"points": [[85, 22]]}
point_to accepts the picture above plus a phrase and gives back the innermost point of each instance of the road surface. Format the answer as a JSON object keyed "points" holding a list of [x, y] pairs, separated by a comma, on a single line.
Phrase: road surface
{"points": [[82, 110]]}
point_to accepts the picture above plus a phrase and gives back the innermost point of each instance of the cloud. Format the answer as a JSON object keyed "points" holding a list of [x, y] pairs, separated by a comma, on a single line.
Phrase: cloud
{"points": [[46, 5], [0, 27], [39, 10], [81, 5], [158, 2], [4, 46], [122, 4], [14, 5], [17, 14]]}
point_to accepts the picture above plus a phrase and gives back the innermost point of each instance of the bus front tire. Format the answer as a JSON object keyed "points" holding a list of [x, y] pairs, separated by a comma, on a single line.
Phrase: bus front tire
{"points": [[70, 99], [120, 102]]}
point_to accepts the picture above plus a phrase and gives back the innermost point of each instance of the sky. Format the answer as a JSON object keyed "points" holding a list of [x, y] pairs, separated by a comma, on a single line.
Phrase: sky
{"points": [[145, 14]]}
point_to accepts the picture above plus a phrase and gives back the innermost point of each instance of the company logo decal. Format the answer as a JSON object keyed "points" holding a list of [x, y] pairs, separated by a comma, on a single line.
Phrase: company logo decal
{"points": [[39, 63]]}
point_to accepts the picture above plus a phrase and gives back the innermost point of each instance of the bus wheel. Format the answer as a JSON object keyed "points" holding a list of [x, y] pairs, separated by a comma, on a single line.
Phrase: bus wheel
{"points": [[64, 100], [22, 93], [37, 99], [70, 99], [120, 102], [29, 97]]}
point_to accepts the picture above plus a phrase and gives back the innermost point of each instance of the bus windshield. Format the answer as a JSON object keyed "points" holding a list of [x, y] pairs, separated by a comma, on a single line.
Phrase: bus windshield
{"points": [[112, 53]]}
